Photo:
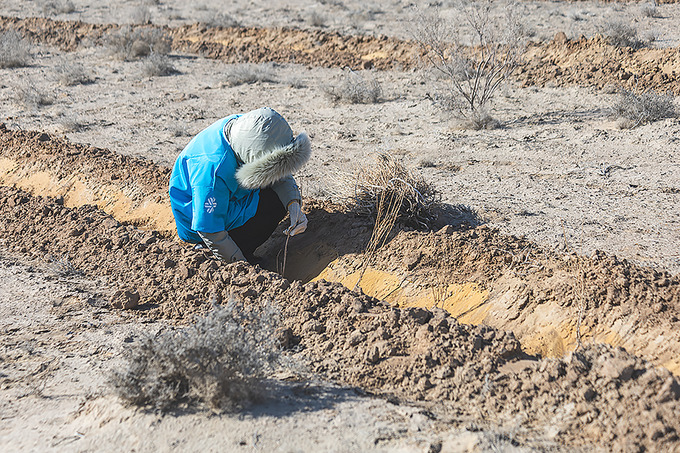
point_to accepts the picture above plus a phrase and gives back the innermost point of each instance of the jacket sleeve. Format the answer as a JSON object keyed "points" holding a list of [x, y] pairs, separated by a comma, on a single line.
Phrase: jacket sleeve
{"points": [[222, 246], [287, 190]]}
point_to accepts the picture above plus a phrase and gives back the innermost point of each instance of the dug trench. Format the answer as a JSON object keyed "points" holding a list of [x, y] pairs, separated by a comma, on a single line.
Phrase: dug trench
{"points": [[466, 317]]}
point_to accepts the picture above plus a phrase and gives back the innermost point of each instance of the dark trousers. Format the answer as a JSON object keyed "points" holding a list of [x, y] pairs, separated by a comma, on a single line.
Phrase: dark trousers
{"points": [[253, 233]]}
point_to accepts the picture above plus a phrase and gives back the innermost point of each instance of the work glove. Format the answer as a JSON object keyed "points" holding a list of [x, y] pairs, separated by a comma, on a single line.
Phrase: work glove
{"points": [[222, 246], [298, 220]]}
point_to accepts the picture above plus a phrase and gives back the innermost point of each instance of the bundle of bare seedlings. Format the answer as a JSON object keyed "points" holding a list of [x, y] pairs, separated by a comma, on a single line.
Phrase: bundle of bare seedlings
{"points": [[389, 185]]}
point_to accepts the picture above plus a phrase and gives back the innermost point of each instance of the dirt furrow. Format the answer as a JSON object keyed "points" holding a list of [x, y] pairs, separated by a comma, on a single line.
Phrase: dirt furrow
{"points": [[411, 352], [561, 62]]}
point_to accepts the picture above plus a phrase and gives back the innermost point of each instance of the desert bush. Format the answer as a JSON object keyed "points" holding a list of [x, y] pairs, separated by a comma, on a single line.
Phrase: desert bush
{"points": [[243, 73], [157, 65], [389, 181], [30, 96], [52, 7], [219, 362], [620, 34], [70, 74], [355, 88], [141, 15], [220, 20], [636, 108], [317, 20], [649, 10], [131, 43], [472, 71], [14, 50]]}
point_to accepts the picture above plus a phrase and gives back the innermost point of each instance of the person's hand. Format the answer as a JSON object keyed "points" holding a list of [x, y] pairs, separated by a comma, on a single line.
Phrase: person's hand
{"points": [[298, 220]]}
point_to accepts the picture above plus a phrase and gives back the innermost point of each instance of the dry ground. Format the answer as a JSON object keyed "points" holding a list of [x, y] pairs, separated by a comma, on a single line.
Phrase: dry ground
{"points": [[559, 172]]}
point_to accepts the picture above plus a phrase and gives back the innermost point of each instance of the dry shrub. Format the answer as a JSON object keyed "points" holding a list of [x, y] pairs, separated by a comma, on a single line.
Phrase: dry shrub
{"points": [[221, 20], [157, 65], [472, 69], [132, 43], [15, 51], [389, 180], [620, 34], [636, 108], [141, 15], [52, 8], [243, 73], [355, 88], [71, 74], [220, 362], [30, 96]]}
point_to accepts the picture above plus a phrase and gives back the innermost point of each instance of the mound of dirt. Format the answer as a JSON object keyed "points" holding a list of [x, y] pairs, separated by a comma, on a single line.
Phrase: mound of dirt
{"points": [[133, 190], [562, 62], [412, 353], [594, 62]]}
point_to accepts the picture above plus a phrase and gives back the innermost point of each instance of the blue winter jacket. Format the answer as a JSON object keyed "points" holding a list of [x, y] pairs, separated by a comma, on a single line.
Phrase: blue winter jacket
{"points": [[204, 193]]}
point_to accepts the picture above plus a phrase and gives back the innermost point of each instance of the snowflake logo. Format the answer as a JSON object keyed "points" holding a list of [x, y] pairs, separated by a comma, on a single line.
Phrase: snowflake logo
{"points": [[210, 205]]}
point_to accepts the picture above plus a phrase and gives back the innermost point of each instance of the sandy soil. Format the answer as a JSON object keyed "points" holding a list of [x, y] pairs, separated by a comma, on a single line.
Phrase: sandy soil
{"points": [[559, 174]]}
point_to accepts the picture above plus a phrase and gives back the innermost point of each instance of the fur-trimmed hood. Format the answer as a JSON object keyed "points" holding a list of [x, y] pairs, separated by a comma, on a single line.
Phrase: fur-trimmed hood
{"points": [[273, 167], [264, 142]]}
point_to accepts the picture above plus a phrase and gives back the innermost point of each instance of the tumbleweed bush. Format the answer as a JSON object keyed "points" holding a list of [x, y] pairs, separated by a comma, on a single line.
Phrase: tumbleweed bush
{"points": [[356, 87], [621, 34], [474, 59], [220, 362], [246, 73], [637, 108], [15, 51], [131, 43]]}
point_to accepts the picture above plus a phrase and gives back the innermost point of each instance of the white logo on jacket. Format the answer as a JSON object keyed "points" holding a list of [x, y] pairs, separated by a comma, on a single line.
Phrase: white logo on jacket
{"points": [[210, 205]]}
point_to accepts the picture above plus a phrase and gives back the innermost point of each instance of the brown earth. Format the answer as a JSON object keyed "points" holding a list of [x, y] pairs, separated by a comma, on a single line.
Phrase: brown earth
{"points": [[561, 62], [599, 395]]}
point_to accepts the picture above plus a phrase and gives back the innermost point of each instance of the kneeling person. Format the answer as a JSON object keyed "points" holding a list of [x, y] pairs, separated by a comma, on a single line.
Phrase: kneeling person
{"points": [[232, 184]]}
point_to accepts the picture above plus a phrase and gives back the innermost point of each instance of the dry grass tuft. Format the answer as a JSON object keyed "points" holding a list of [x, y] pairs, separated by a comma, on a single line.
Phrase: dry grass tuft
{"points": [[220, 362], [620, 34], [157, 65], [71, 74], [389, 180], [15, 51], [356, 88], [637, 108], [53, 8], [244, 73], [130, 43], [30, 96]]}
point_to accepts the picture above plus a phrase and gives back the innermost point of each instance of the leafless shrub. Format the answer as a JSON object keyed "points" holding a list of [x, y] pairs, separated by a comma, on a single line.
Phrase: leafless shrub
{"points": [[30, 96], [294, 81], [52, 7], [131, 43], [70, 74], [473, 71], [649, 10], [15, 51], [317, 20], [141, 15], [157, 65], [356, 88], [219, 362], [636, 108], [243, 73], [220, 20], [388, 179], [620, 34]]}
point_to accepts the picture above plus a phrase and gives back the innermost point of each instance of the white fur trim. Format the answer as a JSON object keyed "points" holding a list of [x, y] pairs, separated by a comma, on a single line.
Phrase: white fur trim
{"points": [[274, 166]]}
